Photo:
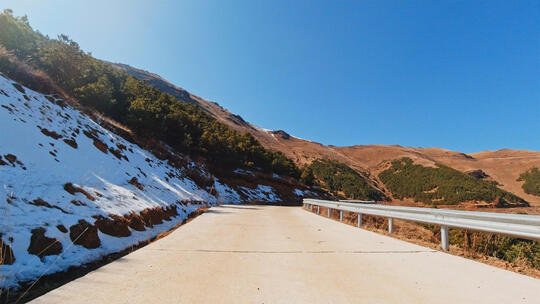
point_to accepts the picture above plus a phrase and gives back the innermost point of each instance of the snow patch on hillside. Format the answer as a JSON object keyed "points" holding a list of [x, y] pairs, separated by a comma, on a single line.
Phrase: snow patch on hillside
{"points": [[305, 193], [48, 149], [261, 193]]}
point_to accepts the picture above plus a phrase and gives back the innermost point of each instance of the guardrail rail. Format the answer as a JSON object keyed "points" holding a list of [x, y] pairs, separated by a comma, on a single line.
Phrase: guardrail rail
{"points": [[517, 225]]}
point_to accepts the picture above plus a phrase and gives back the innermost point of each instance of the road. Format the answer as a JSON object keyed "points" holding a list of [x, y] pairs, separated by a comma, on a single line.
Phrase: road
{"points": [[270, 254]]}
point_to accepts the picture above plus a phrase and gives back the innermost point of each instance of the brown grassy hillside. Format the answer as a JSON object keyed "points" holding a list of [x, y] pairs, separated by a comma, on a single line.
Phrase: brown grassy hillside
{"points": [[503, 166]]}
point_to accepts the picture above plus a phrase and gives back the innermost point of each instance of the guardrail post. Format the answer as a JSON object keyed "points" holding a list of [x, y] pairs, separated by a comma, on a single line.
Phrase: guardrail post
{"points": [[318, 209], [359, 219], [390, 225], [341, 215], [445, 243], [329, 210]]}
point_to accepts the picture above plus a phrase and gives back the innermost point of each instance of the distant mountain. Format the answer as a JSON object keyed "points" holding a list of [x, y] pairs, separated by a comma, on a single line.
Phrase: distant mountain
{"points": [[503, 166]]}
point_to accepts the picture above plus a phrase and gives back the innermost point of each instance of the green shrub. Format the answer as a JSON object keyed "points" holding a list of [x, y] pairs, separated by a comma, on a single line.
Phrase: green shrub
{"points": [[441, 185], [338, 177], [507, 248], [531, 181]]}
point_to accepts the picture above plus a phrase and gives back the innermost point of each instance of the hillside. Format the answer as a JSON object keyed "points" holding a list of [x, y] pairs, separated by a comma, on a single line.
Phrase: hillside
{"points": [[73, 191], [342, 180], [442, 185], [147, 112], [503, 166]]}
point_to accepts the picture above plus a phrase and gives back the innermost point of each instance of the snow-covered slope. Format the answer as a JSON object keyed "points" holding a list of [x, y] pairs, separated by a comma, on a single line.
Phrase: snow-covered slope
{"points": [[72, 192]]}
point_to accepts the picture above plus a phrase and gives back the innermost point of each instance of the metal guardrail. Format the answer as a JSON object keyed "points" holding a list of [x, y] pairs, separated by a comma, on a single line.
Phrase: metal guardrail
{"points": [[517, 225], [358, 201]]}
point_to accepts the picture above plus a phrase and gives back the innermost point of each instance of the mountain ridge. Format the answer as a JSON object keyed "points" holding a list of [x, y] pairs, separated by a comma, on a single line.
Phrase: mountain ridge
{"points": [[503, 165]]}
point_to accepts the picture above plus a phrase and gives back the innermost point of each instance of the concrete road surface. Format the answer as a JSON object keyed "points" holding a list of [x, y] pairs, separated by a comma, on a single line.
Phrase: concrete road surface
{"points": [[267, 254]]}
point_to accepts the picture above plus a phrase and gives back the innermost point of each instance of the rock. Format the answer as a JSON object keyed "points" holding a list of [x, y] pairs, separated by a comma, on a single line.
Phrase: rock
{"points": [[84, 234], [41, 245]]}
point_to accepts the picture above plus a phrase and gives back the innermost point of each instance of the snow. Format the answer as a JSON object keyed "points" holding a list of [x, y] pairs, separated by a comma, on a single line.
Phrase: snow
{"points": [[301, 138], [261, 193], [305, 193], [262, 129], [244, 172], [47, 164], [226, 194]]}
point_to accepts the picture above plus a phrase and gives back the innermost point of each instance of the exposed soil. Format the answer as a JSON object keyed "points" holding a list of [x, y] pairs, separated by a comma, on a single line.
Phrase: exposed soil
{"points": [[71, 189], [62, 228], [51, 133], [101, 146], [135, 182], [84, 234], [118, 154], [19, 88], [115, 225], [42, 203], [41, 245], [12, 159], [71, 142], [135, 221]]}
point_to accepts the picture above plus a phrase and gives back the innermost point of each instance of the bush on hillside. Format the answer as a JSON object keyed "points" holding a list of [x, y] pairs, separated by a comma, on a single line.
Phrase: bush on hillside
{"points": [[144, 109], [531, 181], [340, 178], [440, 185]]}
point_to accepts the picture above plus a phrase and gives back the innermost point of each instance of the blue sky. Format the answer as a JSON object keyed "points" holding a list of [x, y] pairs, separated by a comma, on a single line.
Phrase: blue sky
{"points": [[462, 75]]}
